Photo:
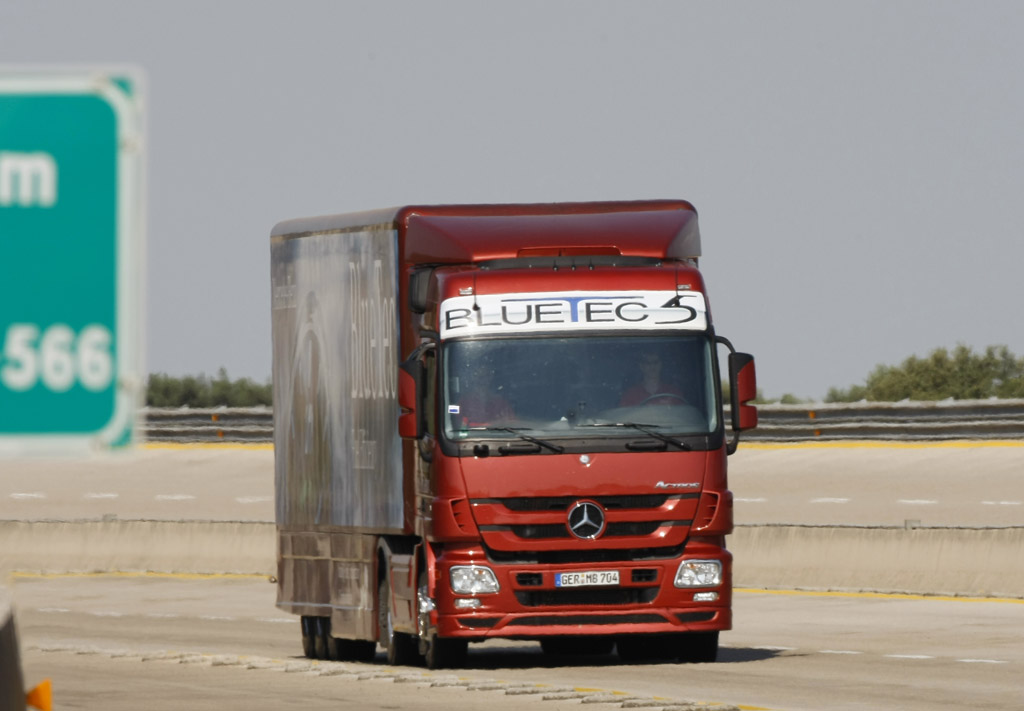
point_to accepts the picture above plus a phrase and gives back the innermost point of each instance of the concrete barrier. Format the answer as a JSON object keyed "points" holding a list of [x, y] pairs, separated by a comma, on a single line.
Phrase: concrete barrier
{"points": [[956, 561], [205, 547]]}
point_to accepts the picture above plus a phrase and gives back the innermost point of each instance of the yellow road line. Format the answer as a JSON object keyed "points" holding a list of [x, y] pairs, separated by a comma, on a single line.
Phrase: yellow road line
{"points": [[28, 575], [892, 596], [208, 445]]}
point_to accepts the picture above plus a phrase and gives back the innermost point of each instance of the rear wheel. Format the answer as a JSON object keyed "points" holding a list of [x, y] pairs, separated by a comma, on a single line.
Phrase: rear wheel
{"points": [[399, 648], [308, 625], [322, 637]]}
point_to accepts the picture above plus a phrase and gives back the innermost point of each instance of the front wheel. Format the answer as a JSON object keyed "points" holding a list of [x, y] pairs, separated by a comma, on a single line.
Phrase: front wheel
{"points": [[697, 647], [399, 648], [438, 652], [445, 652]]}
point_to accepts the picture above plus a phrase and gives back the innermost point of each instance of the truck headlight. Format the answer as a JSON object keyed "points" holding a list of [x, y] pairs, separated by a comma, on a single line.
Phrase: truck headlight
{"points": [[699, 574], [473, 580]]}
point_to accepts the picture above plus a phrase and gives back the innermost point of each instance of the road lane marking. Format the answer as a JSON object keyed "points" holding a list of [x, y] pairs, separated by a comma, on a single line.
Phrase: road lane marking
{"points": [[749, 501], [875, 444], [983, 661], [100, 495], [174, 497], [26, 495], [916, 502], [1002, 503], [877, 595], [908, 656], [253, 499], [830, 500], [838, 651]]}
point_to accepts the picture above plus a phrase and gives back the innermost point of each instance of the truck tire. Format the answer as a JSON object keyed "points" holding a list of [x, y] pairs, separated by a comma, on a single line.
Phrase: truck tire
{"points": [[399, 648], [445, 653], [308, 626], [697, 647], [322, 637], [440, 652]]}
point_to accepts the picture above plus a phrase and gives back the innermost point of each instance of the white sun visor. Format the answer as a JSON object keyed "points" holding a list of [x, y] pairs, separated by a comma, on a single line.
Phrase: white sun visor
{"points": [[489, 314]]}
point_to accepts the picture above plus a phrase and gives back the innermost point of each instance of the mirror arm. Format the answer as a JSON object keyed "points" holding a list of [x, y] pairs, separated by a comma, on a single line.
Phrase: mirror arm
{"points": [[730, 444]]}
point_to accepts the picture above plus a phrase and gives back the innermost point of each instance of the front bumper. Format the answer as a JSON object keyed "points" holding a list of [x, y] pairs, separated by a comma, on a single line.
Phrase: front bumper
{"points": [[530, 605]]}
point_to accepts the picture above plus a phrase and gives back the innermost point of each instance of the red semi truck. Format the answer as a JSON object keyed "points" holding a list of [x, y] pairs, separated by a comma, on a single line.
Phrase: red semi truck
{"points": [[502, 421]]}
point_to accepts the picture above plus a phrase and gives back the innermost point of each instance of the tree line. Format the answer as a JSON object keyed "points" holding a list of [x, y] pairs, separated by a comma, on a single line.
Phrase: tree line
{"points": [[204, 391], [960, 374]]}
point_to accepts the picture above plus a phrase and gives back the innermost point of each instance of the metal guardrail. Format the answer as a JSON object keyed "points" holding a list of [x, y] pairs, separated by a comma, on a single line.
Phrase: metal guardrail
{"points": [[899, 421], [219, 424]]}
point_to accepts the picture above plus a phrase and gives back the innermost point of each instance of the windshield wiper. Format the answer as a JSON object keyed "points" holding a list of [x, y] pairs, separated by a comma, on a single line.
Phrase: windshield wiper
{"points": [[646, 429], [517, 431]]}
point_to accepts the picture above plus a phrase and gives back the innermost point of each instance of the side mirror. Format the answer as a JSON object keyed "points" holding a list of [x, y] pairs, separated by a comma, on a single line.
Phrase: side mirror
{"points": [[743, 389], [410, 384]]}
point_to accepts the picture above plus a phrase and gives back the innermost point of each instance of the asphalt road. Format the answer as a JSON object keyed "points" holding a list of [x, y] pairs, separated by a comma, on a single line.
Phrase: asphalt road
{"points": [[953, 484], [127, 642]]}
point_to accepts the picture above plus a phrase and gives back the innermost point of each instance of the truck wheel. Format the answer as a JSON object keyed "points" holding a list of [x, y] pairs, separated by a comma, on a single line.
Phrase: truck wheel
{"points": [[445, 653], [399, 648], [322, 637], [697, 647], [308, 634], [438, 652]]}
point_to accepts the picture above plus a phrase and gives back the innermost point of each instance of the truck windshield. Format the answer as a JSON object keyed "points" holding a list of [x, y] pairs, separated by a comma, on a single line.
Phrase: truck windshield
{"points": [[552, 387]]}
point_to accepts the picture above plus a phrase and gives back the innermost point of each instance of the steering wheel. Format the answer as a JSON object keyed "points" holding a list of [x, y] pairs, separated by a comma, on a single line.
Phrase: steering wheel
{"points": [[656, 396]]}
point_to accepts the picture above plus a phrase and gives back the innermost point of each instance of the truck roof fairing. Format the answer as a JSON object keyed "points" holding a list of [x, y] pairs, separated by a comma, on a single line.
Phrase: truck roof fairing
{"points": [[460, 234]]}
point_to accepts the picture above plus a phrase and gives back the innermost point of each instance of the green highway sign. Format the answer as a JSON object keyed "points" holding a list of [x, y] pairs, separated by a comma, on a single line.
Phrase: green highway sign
{"points": [[71, 240]]}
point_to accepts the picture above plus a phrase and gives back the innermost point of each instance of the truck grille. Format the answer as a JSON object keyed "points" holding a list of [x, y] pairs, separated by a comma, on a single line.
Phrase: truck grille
{"points": [[561, 503], [615, 596], [535, 529], [600, 555], [558, 530]]}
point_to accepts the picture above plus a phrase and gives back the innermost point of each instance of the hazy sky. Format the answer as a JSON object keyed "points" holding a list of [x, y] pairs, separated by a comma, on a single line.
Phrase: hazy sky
{"points": [[857, 166]]}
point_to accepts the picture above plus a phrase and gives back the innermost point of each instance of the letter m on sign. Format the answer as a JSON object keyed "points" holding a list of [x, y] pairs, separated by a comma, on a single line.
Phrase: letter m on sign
{"points": [[27, 179]]}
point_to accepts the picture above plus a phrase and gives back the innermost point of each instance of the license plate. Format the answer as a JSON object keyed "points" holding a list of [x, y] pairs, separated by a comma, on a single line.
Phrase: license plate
{"points": [[586, 578]]}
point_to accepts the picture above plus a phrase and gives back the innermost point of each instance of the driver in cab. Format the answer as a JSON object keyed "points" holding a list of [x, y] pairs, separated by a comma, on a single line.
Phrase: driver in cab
{"points": [[651, 388]]}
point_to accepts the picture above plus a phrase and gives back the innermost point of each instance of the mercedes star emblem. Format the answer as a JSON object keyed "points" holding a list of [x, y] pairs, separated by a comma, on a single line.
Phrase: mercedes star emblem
{"points": [[586, 520]]}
